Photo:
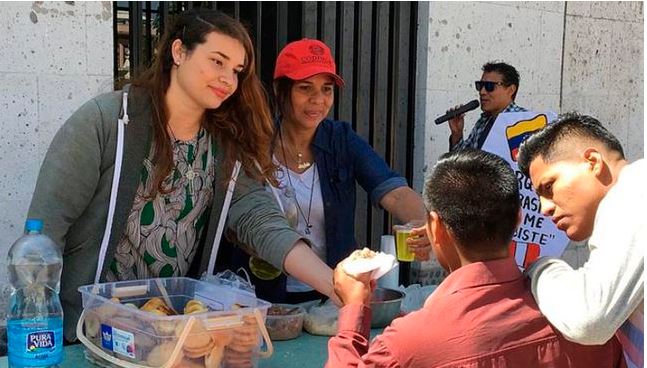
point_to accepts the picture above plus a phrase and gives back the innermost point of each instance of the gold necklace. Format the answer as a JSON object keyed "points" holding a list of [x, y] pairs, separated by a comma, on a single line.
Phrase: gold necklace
{"points": [[301, 165], [312, 187]]}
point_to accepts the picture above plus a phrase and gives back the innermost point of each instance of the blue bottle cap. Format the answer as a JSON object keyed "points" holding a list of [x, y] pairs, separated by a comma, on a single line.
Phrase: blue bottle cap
{"points": [[33, 225]]}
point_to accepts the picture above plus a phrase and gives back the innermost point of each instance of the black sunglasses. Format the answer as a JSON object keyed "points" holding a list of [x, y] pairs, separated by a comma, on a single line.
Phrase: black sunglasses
{"points": [[489, 85]]}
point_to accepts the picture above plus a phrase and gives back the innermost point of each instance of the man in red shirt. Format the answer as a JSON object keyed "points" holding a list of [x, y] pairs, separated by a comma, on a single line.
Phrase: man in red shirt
{"points": [[483, 314]]}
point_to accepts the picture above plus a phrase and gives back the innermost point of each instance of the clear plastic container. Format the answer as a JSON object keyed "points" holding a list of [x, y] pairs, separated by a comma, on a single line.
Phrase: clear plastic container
{"points": [[284, 321], [118, 333]]}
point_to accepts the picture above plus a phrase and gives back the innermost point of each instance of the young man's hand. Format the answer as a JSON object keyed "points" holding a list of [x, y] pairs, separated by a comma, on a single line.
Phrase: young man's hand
{"points": [[351, 289], [419, 243]]}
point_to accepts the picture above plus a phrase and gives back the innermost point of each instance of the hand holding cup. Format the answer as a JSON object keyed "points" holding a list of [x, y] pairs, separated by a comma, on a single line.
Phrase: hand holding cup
{"points": [[412, 242]]}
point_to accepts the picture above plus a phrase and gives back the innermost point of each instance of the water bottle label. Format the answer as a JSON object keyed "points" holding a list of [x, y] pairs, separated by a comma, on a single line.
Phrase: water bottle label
{"points": [[35, 342], [120, 341]]}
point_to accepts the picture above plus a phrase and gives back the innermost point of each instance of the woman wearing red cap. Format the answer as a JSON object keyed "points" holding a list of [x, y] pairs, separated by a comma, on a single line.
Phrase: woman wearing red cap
{"points": [[141, 183], [321, 161]]}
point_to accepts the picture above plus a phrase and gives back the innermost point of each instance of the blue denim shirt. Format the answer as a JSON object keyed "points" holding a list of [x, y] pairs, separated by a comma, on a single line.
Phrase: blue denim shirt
{"points": [[343, 158]]}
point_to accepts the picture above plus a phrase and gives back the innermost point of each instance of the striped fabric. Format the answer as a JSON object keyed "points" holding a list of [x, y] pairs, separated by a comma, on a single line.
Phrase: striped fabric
{"points": [[631, 335], [481, 129]]}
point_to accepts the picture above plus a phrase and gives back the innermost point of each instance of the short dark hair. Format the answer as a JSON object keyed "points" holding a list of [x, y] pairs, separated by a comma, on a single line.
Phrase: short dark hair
{"points": [[476, 194], [544, 142], [508, 72]]}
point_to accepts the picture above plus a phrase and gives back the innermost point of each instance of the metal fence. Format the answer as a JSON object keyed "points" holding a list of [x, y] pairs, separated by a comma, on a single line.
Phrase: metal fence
{"points": [[374, 44]]}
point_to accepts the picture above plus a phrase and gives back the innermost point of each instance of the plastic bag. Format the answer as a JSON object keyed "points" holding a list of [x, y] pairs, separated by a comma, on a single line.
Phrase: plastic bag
{"points": [[322, 319], [231, 279], [415, 296]]}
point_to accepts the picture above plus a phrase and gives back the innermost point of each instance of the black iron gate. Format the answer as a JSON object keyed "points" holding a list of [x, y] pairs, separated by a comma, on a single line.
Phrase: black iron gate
{"points": [[374, 44]]}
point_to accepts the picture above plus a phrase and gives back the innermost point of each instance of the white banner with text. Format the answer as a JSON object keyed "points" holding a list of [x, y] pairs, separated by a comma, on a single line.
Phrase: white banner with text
{"points": [[536, 235]]}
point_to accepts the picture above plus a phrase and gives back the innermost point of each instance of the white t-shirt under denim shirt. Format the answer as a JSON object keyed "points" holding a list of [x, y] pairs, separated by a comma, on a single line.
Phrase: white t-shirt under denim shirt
{"points": [[303, 185]]}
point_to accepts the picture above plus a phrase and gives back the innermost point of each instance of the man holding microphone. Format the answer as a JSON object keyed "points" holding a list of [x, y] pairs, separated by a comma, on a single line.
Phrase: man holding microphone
{"points": [[497, 90]]}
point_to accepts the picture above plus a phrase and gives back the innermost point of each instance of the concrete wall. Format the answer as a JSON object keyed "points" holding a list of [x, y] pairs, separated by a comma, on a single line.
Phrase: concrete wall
{"points": [[603, 68], [572, 56], [584, 56], [56, 56]]}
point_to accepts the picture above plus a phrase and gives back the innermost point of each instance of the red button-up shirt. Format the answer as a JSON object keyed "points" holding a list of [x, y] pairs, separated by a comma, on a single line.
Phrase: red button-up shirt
{"points": [[483, 315]]}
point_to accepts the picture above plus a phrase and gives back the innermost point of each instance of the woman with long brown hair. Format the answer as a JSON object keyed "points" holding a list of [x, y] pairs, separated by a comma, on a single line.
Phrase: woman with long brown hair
{"points": [[143, 182]]}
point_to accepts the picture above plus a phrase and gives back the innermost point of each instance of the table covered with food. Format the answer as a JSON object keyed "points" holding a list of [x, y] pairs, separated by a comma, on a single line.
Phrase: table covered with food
{"points": [[304, 351], [210, 323]]}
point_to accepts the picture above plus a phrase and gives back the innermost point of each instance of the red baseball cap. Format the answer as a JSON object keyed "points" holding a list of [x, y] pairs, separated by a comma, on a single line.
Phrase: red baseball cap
{"points": [[304, 58]]}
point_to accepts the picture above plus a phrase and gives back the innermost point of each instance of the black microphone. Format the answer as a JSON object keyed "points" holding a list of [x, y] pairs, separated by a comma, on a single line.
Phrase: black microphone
{"points": [[461, 110]]}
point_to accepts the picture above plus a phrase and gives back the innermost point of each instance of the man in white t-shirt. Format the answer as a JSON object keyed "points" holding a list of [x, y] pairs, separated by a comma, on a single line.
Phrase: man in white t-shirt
{"points": [[588, 188]]}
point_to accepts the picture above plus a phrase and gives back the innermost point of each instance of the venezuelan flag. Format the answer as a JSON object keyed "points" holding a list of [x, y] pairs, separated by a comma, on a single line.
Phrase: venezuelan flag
{"points": [[520, 130]]}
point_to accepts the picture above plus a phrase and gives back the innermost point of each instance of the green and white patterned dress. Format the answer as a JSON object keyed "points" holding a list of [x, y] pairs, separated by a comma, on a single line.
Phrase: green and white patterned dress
{"points": [[162, 234]]}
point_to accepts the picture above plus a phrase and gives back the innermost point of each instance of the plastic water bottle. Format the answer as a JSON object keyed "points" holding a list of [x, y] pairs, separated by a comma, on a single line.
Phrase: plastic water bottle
{"points": [[35, 315]]}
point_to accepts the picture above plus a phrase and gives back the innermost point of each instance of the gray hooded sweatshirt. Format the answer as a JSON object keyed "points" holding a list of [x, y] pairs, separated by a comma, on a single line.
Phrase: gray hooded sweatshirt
{"points": [[73, 192]]}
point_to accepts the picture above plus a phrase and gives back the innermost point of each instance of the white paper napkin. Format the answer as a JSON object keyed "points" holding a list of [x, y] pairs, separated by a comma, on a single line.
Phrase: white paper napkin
{"points": [[378, 265]]}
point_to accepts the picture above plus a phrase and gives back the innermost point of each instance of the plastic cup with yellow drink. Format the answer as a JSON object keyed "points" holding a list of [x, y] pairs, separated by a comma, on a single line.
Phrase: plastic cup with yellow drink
{"points": [[402, 233]]}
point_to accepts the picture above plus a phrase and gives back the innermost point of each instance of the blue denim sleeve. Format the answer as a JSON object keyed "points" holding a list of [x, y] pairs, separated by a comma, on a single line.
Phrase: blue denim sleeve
{"points": [[371, 171], [385, 187]]}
